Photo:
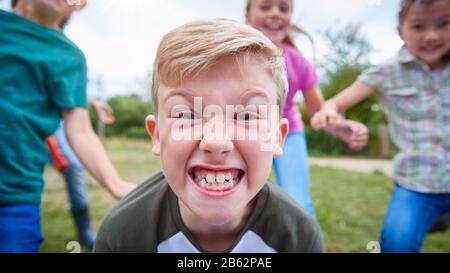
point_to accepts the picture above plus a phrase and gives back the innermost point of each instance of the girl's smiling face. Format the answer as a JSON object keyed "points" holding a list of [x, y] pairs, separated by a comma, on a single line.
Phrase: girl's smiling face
{"points": [[272, 17], [426, 32]]}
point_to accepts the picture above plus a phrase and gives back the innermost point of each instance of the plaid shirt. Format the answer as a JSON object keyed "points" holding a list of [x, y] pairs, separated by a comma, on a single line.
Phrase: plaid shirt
{"points": [[416, 101]]}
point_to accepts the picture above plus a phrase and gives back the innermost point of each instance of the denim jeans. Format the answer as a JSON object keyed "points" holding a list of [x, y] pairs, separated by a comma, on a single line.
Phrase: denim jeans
{"points": [[409, 217], [20, 228], [74, 175], [292, 170]]}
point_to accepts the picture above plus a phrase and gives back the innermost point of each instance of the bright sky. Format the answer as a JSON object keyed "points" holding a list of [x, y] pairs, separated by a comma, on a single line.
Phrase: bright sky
{"points": [[120, 37]]}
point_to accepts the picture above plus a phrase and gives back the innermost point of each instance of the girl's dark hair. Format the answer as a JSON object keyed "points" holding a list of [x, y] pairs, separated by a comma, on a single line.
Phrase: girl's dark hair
{"points": [[294, 28], [62, 24], [407, 4]]}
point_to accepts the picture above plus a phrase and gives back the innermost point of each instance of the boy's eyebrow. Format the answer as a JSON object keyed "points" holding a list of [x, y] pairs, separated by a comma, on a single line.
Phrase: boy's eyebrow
{"points": [[186, 93], [254, 92]]}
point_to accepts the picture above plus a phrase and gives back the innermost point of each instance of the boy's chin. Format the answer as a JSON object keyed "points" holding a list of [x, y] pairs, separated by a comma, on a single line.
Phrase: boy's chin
{"points": [[217, 218]]}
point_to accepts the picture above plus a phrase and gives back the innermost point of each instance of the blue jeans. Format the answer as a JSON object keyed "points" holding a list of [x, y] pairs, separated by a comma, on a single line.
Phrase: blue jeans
{"points": [[74, 174], [20, 228], [292, 170], [409, 217]]}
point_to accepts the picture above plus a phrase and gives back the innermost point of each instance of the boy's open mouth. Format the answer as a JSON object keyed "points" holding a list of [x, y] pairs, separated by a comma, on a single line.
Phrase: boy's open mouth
{"points": [[219, 180]]}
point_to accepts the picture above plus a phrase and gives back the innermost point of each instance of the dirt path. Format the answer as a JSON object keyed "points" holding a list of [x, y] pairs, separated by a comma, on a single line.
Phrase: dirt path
{"points": [[355, 164]]}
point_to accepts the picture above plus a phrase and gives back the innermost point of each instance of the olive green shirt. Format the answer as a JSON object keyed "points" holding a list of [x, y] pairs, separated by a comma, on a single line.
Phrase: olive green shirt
{"points": [[148, 220]]}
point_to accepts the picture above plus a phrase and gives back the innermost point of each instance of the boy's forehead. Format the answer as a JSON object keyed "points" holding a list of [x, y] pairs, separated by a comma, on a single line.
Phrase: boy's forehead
{"points": [[231, 80]]}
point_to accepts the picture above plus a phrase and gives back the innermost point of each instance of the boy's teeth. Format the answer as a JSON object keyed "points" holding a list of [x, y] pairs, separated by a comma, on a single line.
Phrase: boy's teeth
{"points": [[210, 178], [215, 181], [228, 176], [220, 178], [203, 183]]}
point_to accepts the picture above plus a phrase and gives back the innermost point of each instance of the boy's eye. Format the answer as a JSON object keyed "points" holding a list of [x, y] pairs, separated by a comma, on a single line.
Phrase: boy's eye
{"points": [[417, 27], [246, 116], [184, 115]]}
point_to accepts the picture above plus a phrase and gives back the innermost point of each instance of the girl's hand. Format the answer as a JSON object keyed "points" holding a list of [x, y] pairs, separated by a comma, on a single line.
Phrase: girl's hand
{"points": [[104, 111], [326, 117], [354, 133]]}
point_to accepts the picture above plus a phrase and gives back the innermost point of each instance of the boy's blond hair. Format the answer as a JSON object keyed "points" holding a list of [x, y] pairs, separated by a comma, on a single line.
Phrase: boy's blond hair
{"points": [[197, 46]]}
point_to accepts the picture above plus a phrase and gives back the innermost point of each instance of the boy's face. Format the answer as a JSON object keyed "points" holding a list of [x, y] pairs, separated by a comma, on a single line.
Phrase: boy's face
{"points": [[216, 163], [426, 32]]}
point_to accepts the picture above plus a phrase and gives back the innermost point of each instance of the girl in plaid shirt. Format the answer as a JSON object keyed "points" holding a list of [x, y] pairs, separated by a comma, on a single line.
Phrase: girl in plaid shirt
{"points": [[414, 89]]}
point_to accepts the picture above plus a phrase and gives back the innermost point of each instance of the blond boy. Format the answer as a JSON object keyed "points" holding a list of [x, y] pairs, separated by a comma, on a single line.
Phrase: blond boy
{"points": [[215, 85]]}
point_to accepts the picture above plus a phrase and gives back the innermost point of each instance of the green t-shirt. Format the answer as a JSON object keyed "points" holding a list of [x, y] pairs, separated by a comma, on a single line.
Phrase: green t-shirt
{"points": [[42, 72], [148, 220]]}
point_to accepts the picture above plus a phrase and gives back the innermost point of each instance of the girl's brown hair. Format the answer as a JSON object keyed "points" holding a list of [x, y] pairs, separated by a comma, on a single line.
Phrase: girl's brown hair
{"points": [[294, 28], [407, 4]]}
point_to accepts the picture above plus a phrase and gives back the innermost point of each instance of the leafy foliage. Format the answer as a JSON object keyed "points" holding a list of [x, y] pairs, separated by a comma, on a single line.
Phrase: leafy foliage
{"points": [[130, 112]]}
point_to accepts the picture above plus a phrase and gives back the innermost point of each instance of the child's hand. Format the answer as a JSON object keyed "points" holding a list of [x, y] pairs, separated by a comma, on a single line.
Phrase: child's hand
{"points": [[354, 133], [327, 116], [104, 111]]}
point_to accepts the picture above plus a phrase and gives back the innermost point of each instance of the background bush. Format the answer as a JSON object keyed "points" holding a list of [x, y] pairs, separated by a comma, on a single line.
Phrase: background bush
{"points": [[130, 112]]}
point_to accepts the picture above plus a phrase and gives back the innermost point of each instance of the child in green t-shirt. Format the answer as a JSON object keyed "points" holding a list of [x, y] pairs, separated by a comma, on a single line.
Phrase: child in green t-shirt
{"points": [[43, 80]]}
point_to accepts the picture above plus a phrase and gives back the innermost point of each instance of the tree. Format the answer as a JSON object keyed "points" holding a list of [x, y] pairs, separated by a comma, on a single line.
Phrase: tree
{"points": [[348, 57]]}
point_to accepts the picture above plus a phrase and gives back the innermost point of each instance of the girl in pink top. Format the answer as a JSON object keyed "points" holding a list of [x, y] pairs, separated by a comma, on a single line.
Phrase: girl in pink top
{"points": [[273, 18]]}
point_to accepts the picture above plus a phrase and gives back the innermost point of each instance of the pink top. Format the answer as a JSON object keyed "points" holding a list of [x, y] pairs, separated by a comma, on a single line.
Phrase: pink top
{"points": [[301, 77]]}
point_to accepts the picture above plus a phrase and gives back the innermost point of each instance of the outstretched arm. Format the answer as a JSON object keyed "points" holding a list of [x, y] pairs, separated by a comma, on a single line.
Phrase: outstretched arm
{"points": [[329, 113], [326, 114], [91, 152]]}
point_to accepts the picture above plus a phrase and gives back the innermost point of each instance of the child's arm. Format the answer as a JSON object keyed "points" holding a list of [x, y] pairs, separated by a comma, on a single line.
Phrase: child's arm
{"points": [[354, 133], [313, 100], [329, 113], [91, 152]]}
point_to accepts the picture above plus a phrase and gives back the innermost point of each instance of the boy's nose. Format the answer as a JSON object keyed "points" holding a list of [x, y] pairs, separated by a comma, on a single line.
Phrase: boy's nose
{"points": [[215, 138], [216, 146]]}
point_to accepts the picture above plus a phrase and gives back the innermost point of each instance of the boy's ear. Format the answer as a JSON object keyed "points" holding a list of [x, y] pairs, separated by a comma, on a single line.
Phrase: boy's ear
{"points": [[152, 129], [283, 131]]}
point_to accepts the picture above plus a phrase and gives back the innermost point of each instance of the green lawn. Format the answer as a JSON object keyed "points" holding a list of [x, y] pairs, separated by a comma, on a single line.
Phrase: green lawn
{"points": [[350, 205]]}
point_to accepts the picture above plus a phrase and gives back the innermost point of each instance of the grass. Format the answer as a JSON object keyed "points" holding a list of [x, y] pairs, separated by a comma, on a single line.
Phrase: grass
{"points": [[350, 206]]}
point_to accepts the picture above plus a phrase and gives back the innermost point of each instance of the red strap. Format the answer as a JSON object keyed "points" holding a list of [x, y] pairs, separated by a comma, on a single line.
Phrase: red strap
{"points": [[61, 163]]}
